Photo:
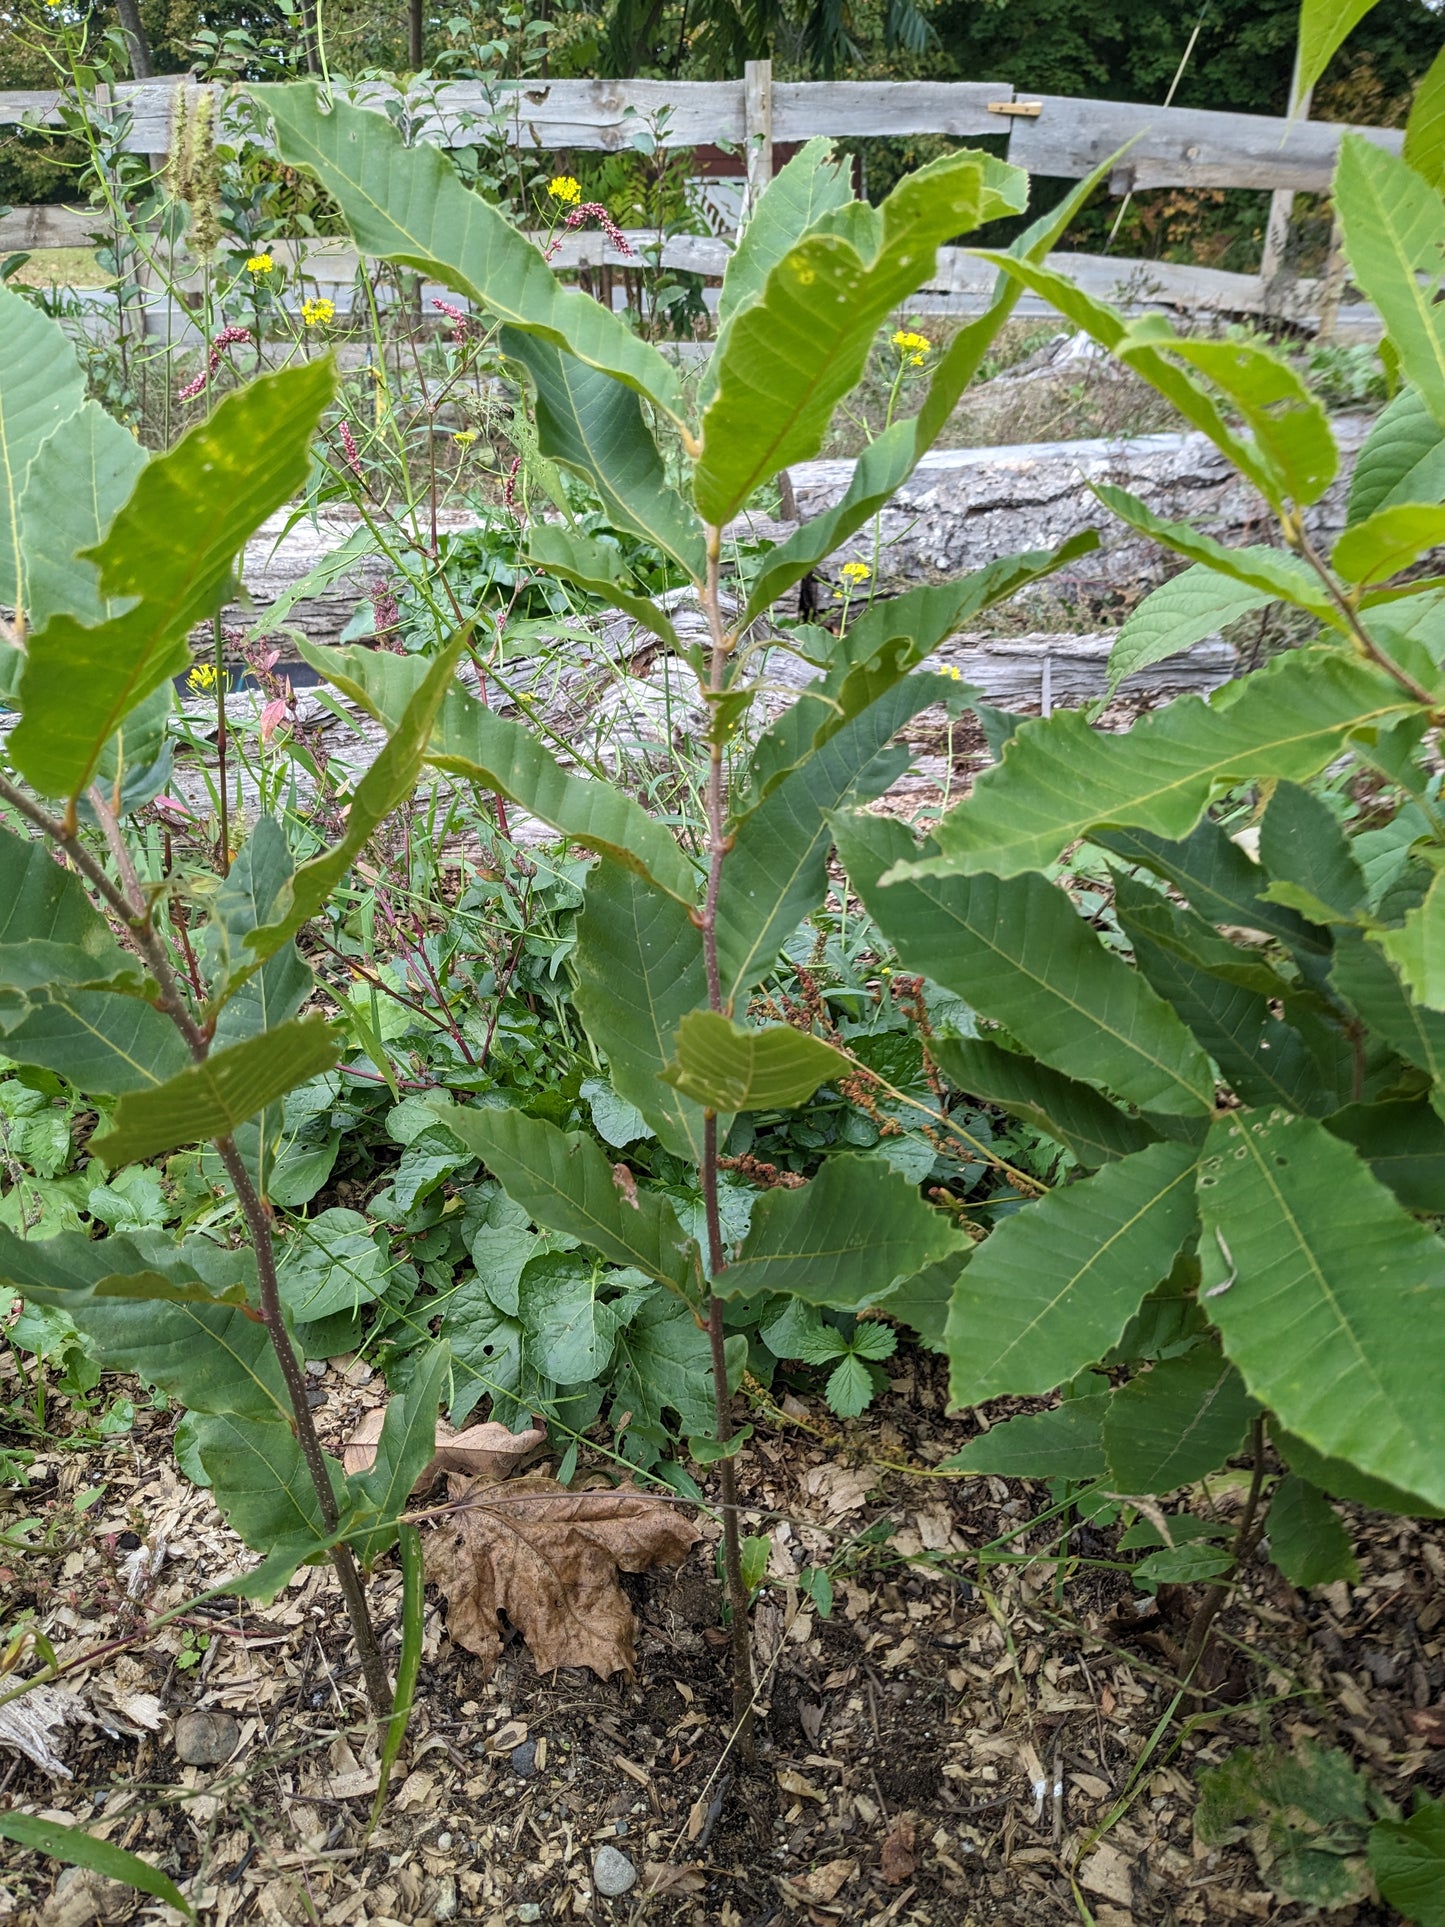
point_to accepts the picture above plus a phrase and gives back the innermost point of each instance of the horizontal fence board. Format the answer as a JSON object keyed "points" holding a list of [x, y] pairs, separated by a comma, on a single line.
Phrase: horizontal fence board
{"points": [[49, 227], [1183, 146], [804, 108]]}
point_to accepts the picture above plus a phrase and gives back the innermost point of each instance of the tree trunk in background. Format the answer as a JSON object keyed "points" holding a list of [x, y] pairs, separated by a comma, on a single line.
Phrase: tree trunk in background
{"points": [[308, 35], [132, 27], [413, 35]]}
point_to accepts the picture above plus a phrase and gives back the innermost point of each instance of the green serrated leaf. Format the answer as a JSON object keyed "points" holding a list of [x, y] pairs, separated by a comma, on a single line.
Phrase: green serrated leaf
{"points": [[76, 483], [1176, 1423], [639, 967], [260, 1482], [1391, 222], [1404, 1145], [1407, 1858], [1324, 26], [1425, 129], [41, 386], [173, 547], [728, 1067], [595, 426], [1402, 460], [1018, 951], [1178, 614], [1060, 779], [1056, 1283], [1075, 1115], [104, 1043], [564, 1181], [407, 204], [812, 184], [209, 1099], [599, 569], [1388, 541], [789, 356], [1416, 947], [1065, 1443], [843, 1239], [1307, 1540], [1321, 1287]]}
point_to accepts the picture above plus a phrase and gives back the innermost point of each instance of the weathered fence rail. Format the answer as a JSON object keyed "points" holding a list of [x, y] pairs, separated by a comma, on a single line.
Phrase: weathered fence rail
{"points": [[1047, 134]]}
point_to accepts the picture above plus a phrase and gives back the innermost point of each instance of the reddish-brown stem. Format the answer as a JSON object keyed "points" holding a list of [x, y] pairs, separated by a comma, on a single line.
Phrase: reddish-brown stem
{"points": [[1251, 1525]]}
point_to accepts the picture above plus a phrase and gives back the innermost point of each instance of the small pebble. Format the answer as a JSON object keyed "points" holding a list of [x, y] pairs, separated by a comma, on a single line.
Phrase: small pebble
{"points": [[206, 1739], [524, 1758], [444, 1840], [612, 1872], [316, 1367], [529, 1910]]}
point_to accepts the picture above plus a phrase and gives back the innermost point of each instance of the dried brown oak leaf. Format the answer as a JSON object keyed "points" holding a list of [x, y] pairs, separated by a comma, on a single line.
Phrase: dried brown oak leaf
{"points": [[549, 1559], [485, 1451]]}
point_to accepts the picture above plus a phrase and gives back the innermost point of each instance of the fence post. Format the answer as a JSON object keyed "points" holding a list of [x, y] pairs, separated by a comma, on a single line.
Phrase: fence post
{"points": [[757, 129], [1272, 261]]}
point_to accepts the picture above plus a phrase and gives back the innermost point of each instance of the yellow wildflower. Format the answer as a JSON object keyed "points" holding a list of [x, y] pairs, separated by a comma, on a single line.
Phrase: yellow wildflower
{"points": [[855, 571], [202, 677], [260, 264], [465, 436], [316, 312], [563, 188], [952, 671], [912, 347]]}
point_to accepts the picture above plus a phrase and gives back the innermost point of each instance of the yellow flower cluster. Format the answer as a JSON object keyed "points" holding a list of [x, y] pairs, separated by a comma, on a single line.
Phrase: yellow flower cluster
{"points": [[563, 188], [911, 346], [317, 311], [260, 264], [465, 436], [952, 671], [855, 571], [202, 677]]}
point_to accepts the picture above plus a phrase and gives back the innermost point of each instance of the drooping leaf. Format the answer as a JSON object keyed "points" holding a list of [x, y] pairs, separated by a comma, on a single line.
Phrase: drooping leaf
{"points": [[1425, 129], [565, 1182], [789, 356], [1307, 1540], [1088, 1125], [640, 971], [403, 1451], [1345, 1481], [1176, 1423], [1274, 573], [728, 1067], [77, 1848], [213, 1358], [209, 1099], [260, 1481], [777, 870], [1290, 426], [1064, 1443], [1060, 779], [1322, 1288], [77, 481], [407, 204], [600, 570], [1018, 951], [1324, 25], [1407, 1858], [1404, 1145], [103, 1042], [470, 740], [1228, 1001], [843, 1239], [73, 1267], [386, 785], [1402, 460], [1178, 614], [595, 426], [1301, 842], [50, 932], [41, 386], [1223, 884], [1388, 541], [1391, 222], [1054, 1285], [173, 546]]}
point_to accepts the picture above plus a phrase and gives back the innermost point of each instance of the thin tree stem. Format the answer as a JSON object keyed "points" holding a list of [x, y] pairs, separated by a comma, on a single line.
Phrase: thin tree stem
{"points": [[1251, 1525], [718, 845]]}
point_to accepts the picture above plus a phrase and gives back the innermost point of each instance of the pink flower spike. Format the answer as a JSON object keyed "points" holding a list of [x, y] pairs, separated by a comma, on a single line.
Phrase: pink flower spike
{"points": [[462, 322], [227, 338], [594, 211], [353, 456]]}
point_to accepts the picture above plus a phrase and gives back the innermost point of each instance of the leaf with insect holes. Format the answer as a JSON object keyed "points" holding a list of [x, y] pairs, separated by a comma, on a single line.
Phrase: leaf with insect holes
{"points": [[549, 1558], [173, 548]]}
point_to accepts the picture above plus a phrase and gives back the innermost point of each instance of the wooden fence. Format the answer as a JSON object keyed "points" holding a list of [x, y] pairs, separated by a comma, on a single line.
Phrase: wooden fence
{"points": [[1047, 134]]}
